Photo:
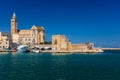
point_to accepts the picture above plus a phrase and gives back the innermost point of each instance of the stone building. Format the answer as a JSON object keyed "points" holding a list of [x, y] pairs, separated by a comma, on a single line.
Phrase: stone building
{"points": [[5, 40], [61, 44], [35, 35]]}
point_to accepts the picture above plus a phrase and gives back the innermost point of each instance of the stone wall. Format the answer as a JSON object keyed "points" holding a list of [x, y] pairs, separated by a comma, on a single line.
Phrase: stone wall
{"points": [[5, 40], [79, 47], [61, 43]]}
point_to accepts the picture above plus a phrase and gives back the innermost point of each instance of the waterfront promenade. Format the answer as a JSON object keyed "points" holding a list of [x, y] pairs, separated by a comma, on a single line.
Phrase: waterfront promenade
{"points": [[90, 51]]}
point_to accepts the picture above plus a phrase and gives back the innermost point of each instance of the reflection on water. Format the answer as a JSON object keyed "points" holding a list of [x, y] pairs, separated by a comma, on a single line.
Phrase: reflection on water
{"points": [[61, 54], [60, 66]]}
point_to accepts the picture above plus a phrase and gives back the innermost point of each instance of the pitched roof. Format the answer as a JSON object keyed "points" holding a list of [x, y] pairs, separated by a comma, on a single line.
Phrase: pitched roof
{"points": [[21, 31], [38, 27]]}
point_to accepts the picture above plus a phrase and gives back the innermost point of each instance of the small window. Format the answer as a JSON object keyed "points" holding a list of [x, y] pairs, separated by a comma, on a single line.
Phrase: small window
{"points": [[55, 42], [33, 40], [25, 39]]}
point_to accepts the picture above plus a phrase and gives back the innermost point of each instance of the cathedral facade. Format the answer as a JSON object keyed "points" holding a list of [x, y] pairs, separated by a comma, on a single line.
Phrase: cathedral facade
{"points": [[35, 35]]}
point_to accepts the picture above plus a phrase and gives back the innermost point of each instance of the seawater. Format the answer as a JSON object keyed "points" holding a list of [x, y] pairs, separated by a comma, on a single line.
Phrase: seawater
{"points": [[49, 66]]}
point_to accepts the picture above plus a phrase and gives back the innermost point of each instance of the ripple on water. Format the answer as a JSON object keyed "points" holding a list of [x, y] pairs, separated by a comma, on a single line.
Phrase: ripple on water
{"points": [[48, 66]]}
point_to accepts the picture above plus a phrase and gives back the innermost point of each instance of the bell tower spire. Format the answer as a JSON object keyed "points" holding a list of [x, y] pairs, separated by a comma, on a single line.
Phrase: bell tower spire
{"points": [[14, 24], [14, 15]]}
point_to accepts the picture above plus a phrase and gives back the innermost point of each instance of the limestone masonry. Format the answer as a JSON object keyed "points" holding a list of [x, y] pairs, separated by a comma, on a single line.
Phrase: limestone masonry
{"points": [[35, 35], [61, 44]]}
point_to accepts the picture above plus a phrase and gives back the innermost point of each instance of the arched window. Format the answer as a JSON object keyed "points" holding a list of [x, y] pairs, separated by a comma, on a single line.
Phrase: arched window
{"points": [[55, 41], [25, 39]]}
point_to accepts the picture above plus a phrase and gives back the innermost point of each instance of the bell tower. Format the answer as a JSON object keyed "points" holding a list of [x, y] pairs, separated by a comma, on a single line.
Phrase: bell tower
{"points": [[14, 24]]}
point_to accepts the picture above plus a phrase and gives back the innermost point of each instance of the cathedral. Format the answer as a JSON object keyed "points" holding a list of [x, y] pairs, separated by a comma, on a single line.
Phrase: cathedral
{"points": [[35, 35]]}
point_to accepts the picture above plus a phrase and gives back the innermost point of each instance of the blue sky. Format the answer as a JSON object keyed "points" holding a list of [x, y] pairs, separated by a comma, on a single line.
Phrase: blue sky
{"points": [[81, 21]]}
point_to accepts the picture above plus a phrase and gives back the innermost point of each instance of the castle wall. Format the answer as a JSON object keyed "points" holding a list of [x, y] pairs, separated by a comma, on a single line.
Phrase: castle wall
{"points": [[79, 47], [61, 44]]}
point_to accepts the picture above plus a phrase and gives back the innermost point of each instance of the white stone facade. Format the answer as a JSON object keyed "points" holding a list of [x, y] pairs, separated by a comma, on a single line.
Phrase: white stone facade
{"points": [[5, 40], [35, 35]]}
